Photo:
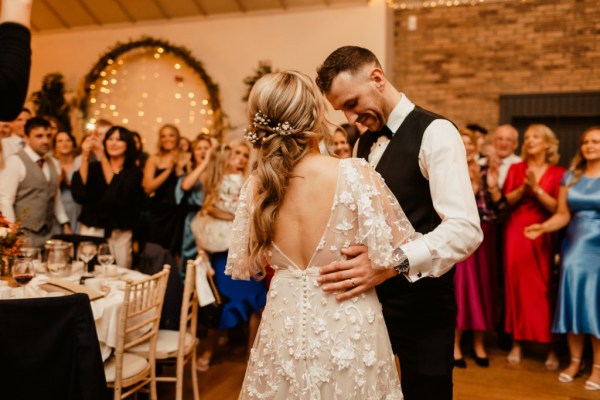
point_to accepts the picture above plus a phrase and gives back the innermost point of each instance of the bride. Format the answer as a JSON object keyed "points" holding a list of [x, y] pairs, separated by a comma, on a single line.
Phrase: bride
{"points": [[296, 212]]}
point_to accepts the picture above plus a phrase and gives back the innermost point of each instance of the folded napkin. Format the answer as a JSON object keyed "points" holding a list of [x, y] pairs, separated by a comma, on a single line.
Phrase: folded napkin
{"points": [[53, 283], [203, 267]]}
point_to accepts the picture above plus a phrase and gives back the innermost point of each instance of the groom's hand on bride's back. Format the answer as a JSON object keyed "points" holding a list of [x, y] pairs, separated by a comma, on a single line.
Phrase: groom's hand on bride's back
{"points": [[354, 275]]}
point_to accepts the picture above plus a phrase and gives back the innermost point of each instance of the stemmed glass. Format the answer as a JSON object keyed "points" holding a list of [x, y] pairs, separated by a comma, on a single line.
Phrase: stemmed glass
{"points": [[23, 272], [86, 251], [105, 256]]}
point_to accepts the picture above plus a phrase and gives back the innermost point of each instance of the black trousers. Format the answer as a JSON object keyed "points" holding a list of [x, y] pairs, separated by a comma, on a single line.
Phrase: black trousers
{"points": [[421, 319]]}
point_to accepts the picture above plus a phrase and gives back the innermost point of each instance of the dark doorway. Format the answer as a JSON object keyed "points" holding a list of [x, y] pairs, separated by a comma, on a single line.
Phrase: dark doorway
{"points": [[567, 130], [567, 114]]}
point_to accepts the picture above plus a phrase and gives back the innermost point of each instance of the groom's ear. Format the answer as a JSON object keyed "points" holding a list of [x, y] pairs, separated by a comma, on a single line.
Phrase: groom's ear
{"points": [[378, 78]]}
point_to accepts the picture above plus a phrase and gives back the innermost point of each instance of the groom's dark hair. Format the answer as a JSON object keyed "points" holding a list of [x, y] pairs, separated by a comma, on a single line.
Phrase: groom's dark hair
{"points": [[345, 59]]}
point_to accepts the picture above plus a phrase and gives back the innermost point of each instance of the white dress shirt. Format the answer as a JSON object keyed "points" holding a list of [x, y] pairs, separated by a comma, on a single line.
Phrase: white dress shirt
{"points": [[442, 161], [14, 173], [12, 145], [504, 165]]}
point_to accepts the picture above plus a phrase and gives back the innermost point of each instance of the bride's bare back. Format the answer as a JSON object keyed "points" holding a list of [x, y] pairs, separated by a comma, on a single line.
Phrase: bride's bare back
{"points": [[306, 207]]}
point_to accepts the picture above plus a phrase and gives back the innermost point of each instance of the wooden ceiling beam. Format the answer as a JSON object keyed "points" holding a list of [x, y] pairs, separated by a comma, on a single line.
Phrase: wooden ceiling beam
{"points": [[162, 10], [125, 11], [56, 14], [200, 7], [89, 12], [241, 6]]}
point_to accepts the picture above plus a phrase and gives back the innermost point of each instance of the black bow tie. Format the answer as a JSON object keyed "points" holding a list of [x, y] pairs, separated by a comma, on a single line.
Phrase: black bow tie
{"points": [[385, 131]]}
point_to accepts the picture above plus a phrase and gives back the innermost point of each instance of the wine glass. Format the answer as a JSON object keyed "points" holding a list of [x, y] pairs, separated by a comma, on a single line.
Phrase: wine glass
{"points": [[105, 256], [86, 251], [57, 260], [23, 272]]}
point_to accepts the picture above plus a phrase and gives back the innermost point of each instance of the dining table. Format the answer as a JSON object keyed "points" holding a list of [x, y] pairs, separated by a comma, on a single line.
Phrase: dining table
{"points": [[106, 298]]}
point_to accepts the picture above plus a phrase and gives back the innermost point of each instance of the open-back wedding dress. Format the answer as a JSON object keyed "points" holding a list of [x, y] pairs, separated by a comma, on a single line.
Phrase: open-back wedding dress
{"points": [[309, 345]]}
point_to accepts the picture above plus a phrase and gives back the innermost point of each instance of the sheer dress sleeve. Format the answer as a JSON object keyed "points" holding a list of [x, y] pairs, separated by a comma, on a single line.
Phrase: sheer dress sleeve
{"points": [[239, 249], [382, 224]]}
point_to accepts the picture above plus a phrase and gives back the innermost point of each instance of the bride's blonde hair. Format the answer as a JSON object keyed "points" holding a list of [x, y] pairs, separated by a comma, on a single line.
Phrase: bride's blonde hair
{"points": [[286, 115]]}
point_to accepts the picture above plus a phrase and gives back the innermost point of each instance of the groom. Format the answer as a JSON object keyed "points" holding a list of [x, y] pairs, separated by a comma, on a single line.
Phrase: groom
{"points": [[422, 159]]}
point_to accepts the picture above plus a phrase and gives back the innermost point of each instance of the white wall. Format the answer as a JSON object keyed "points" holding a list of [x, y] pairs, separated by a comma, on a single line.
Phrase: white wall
{"points": [[228, 46]]}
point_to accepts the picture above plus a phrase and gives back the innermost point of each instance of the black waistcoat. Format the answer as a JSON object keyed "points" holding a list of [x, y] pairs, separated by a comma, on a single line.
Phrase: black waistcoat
{"points": [[428, 300]]}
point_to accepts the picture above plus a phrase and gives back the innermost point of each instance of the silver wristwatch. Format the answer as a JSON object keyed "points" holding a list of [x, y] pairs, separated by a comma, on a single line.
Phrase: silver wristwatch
{"points": [[403, 267]]}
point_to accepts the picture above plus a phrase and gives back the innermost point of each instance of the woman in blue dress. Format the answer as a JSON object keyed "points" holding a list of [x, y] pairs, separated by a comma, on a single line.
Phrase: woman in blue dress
{"points": [[578, 306], [190, 193]]}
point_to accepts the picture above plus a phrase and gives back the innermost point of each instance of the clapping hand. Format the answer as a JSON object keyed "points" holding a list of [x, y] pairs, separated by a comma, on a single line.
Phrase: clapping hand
{"points": [[492, 176], [530, 180], [534, 231]]}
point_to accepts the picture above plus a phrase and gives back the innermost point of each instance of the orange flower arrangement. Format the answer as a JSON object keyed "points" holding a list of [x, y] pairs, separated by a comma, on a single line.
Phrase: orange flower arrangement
{"points": [[10, 238]]}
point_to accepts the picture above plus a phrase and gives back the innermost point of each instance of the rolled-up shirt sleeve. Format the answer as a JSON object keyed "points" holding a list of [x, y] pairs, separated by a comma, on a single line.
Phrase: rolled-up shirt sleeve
{"points": [[11, 175], [442, 160]]}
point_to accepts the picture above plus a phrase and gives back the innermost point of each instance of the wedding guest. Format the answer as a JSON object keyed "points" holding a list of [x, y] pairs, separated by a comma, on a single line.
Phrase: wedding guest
{"points": [[186, 152], [531, 190], [578, 305], [475, 277], [481, 134], [30, 192], [4, 130], [65, 147], [212, 230], [505, 140], [296, 213], [161, 173], [15, 56], [190, 193], [16, 141], [109, 190], [139, 145], [344, 138], [422, 159]]}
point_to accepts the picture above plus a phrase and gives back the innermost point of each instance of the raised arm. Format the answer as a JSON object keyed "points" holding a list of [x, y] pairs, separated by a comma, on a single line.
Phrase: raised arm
{"points": [[151, 182]]}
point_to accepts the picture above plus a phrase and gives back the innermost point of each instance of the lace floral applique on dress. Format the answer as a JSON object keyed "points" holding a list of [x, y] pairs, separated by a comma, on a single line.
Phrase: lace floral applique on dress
{"points": [[309, 345]]}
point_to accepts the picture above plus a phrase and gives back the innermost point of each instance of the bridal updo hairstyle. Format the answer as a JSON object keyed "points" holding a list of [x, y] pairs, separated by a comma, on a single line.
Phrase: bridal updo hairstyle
{"points": [[286, 115]]}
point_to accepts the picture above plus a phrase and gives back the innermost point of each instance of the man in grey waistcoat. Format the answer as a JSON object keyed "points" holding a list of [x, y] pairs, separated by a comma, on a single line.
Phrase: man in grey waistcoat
{"points": [[29, 188]]}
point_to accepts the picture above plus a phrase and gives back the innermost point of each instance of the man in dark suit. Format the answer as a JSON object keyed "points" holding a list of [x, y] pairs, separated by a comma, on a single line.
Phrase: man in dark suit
{"points": [[422, 159]]}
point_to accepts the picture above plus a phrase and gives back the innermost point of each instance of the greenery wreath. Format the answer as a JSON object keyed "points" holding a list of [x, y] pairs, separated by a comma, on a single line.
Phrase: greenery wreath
{"points": [[146, 41]]}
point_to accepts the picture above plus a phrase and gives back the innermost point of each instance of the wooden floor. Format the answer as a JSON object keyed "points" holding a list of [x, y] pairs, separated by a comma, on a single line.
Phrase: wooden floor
{"points": [[528, 381]]}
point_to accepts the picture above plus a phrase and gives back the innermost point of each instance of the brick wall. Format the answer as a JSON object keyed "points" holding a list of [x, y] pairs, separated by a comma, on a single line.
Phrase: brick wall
{"points": [[460, 59]]}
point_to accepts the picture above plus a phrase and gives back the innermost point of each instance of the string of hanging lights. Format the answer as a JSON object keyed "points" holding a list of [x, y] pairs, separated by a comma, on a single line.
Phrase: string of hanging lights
{"points": [[412, 4]]}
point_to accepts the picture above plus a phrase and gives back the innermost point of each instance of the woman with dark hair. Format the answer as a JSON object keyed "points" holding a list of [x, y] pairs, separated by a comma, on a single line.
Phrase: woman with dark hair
{"points": [[65, 147], [139, 145], [110, 190], [578, 305]]}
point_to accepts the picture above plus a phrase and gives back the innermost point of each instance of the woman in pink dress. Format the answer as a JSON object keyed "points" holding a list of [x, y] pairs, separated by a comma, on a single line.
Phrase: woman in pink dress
{"points": [[474, 278], [531, 189]]}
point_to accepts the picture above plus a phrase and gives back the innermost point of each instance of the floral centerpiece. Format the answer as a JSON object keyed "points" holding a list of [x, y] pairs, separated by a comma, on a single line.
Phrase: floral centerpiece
{"points": [[11, 241]]}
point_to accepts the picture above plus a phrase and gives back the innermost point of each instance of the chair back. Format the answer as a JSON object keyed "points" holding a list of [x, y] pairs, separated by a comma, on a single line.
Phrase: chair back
{"points": [[189, 308], [139, 321]]}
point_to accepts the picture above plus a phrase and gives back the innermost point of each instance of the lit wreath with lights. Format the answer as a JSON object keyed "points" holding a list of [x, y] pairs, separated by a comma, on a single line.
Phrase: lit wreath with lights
{"points": [[148, 42]]}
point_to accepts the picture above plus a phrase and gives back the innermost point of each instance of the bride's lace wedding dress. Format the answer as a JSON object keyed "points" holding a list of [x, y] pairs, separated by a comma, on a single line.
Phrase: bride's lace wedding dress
{"points": [[309, 345]]}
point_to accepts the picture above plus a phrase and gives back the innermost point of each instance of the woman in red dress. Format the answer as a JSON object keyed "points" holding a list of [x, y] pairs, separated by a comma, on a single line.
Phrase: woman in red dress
{"points": [[531, 189]]}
